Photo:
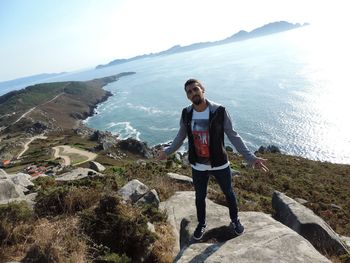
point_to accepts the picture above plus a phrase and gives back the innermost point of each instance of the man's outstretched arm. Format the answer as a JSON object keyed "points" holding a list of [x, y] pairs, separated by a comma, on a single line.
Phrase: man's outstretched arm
{"points": [[237, 142], [176, 144]]}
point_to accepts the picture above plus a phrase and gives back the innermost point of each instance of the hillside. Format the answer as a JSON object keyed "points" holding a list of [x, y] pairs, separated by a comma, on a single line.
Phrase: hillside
{"points": [[58, 104], [271, 28], [324, 187]]}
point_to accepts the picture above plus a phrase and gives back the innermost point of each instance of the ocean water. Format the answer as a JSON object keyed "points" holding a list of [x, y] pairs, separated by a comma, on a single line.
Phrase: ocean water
{"points": [[289, 89]]}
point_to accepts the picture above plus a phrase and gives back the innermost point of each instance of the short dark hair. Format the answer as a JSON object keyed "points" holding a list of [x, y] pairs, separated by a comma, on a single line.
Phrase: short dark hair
{"points": [[191, 81]]}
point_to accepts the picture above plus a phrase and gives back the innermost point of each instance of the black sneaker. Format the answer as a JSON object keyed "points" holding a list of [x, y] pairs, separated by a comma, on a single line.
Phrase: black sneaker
{"points": [[199, 232], [237, 227]]}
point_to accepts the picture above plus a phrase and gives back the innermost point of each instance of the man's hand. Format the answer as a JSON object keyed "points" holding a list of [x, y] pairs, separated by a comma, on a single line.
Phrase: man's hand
{"points": [[259, 163], [161, 155]]}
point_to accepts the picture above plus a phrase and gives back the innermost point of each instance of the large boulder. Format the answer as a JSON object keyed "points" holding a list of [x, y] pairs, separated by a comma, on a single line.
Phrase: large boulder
{"points": [[303, 220], [133, 191], [150, 198], [22, 180], [9, 191], [97, 166], [136, 147], [265, 239], [268, 149], [105, 138]]}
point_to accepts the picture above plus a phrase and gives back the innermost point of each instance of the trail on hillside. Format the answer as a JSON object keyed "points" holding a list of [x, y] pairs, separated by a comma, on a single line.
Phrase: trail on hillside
{"points": [[26, 145], [30, 110], [64, 152]]}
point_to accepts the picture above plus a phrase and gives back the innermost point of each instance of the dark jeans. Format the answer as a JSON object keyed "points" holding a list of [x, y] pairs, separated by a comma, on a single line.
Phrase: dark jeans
{"points": [[200, 182]]}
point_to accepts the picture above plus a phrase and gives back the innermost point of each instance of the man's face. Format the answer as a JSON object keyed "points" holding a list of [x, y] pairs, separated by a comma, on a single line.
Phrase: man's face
{"points": [[195, 93]]}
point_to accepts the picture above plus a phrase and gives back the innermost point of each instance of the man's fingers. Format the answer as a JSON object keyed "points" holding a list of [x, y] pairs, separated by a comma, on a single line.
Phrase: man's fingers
{"points": [[260, 164], [264, 168]]}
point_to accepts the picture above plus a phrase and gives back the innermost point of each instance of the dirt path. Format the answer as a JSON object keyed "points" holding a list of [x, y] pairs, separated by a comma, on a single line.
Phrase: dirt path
{"points": [[26, 145], [64, 152], [30, 110]]}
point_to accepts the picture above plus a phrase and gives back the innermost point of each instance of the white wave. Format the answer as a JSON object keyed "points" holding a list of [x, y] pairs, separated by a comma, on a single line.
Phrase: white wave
{"points": [[125, 130], [111, 125], [151, 110]]}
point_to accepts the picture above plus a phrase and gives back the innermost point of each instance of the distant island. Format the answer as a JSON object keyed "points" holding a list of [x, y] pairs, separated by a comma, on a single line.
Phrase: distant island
{"points": [[268, 29]]}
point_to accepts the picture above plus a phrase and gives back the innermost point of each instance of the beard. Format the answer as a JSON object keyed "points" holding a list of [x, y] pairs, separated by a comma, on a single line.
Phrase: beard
{"points": [[197, 100]]}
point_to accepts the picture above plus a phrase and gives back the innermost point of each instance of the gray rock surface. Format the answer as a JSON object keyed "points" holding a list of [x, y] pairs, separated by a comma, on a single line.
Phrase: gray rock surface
{"points": [[30, 199], [150, 198], [180, 177], [77, 174], [304, 221], [22, 180], [9, 191], [265, 239], [97, 166], [136, 147], [133, 191]]}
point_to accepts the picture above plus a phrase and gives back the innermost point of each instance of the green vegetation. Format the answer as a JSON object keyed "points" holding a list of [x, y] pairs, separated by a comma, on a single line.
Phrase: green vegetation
{"points": [[77, 98], [97, 226], [324, 185], [91, 208], [23, 100]]}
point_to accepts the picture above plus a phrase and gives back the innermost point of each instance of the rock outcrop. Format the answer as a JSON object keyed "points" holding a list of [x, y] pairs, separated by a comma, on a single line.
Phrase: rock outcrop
{"points": [[77, 174], [97, 166], [105, 139], [15, 187], [10, 191], [304, 221], [136, 147], [265, 239], [135, 192]]}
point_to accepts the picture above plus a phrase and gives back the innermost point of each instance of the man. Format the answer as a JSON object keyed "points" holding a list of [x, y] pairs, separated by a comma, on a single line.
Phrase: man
{"points": [[204, 123]]}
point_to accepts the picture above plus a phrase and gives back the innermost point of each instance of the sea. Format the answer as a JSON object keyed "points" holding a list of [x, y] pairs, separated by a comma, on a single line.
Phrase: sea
{"points": [[289, 89]]}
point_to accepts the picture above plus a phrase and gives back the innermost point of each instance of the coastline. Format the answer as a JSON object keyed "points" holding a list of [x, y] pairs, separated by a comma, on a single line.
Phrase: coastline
{"points": [[182, 150]]}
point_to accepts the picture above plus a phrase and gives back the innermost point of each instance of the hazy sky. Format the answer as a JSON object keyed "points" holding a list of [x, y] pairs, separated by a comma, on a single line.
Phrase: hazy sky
{"points": [[47, 36]]}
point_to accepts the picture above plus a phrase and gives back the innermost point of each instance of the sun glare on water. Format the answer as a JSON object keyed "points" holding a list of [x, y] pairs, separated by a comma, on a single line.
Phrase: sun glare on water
{"points": [[327, 94]]}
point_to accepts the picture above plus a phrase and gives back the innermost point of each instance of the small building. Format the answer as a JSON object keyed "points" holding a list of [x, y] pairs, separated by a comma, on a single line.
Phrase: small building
{"points": [[5, 163], [35, 171]]}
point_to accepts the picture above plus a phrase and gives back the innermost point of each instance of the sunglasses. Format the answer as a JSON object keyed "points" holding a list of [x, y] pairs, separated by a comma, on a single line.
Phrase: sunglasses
{"points": [[194, 89]]}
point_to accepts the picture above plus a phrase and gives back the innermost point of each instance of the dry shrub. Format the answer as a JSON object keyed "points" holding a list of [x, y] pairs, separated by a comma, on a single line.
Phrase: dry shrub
{"points": [[14, 233], [16, 212], [162, 250], [166, 186], [12, 253], [51, 201], [120, 227], [57, 241], [65, 200], [80, 198], [15, 219]]}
